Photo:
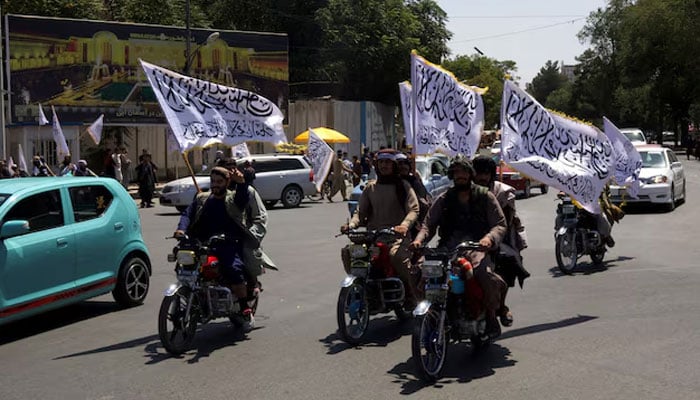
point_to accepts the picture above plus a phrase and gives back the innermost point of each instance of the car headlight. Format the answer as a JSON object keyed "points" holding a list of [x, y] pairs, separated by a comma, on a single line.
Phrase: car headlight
{"points": [[185, 257], [184, 187], [658, 179]]}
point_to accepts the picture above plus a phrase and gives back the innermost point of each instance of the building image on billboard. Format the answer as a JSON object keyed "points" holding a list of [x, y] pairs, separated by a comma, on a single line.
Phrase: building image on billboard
{"points": [[87, 68]]}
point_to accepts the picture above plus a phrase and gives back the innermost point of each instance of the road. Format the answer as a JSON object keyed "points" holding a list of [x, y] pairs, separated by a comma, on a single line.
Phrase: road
{"points": [[628, 330]]}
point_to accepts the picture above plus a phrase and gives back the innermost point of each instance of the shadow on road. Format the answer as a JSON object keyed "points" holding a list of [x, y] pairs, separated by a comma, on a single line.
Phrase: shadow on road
{"points": [[464, 365], [380, 333], [633, 208], [168, 214], [590, 268], [209, 338], [55, 319]]}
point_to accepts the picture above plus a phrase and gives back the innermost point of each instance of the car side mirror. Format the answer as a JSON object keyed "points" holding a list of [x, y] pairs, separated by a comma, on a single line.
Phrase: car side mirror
{"points": [[14, 228]]}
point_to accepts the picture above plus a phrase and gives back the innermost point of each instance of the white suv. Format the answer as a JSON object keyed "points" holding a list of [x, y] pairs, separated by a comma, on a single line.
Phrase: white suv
{"points": [[284, 177], [281, 177]]}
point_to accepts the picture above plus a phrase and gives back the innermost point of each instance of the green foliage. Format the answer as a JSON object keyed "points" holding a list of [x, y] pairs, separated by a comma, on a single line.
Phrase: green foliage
{"points": [[91, 9], [546, 81], [484, 72], [367, 43]]}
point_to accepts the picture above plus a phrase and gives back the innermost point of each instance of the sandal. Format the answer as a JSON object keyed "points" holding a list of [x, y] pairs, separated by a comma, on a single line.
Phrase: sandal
{"points": [[506, 319]]}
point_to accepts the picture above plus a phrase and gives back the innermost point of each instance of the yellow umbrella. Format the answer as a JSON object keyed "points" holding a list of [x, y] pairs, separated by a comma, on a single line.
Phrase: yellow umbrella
{"points": [[327, 134]]}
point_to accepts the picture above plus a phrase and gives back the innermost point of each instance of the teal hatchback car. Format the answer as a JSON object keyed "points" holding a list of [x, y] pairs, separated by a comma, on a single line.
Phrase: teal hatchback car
{"points": [[67, 239]]}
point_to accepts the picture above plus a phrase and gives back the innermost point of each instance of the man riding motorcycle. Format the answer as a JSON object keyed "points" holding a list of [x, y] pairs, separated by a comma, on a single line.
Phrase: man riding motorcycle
{"points": [[424, 198], [388, 202], [469, 212], [242, 217], [509, 262]]}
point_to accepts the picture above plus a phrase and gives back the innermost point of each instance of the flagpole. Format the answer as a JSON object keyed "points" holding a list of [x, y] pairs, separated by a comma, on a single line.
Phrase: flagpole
{"points": [[189, 167]]}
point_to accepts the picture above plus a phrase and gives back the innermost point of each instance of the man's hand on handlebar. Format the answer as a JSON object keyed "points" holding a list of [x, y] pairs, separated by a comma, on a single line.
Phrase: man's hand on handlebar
{"points": [[179, 234], [401, 230], [486, 242], [416, 244], [344, 228]]}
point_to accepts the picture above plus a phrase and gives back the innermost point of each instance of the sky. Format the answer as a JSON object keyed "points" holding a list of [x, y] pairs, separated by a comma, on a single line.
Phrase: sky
{"points": [[529, 32]]}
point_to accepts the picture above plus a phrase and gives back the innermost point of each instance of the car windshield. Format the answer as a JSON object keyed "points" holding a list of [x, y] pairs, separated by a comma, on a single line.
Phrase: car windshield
{"points": [[654, 159], [422, 169], [634, 136], [3, 197]]}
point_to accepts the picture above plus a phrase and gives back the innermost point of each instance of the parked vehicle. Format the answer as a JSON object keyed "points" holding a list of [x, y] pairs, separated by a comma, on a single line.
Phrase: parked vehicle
{"points": [[496, 147], [523, 184], [451, 312], [198, 297], [635, 135], [64, 240], [575, 235], [278, 177], [432, 171], [662, 179], [372, 287]]}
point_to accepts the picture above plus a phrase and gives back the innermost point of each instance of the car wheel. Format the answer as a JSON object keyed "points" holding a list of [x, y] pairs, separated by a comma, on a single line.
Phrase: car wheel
{"points": [[133, 282], [291, 196], [544, 189], [683, 199], [181, 209], [672, 205], [527, 190]]}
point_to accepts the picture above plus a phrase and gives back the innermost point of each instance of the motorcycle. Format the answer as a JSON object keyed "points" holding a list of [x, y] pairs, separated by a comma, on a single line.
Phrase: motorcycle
{"points": [[372, 287], [199, 296], [452, 309], [576, 234]]}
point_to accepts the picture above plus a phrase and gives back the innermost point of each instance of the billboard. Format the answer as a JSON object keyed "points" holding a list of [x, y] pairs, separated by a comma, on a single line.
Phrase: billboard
{"points": [[86, 68]]}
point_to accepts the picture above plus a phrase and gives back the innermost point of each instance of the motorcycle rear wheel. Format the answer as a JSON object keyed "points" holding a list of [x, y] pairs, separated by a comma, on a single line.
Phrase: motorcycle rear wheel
{"points": [[429, 346], [175, 329], [566, 252], [353, 313]]}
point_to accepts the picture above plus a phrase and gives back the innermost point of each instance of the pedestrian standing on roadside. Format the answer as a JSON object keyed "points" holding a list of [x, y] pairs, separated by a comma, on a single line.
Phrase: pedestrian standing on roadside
{"points": [[146, 178]]}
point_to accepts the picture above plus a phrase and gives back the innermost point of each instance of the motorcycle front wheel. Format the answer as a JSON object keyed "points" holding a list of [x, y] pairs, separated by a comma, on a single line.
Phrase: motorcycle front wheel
{"points": [[176, 327], [353, 313], [429, 345], [566, 252]]}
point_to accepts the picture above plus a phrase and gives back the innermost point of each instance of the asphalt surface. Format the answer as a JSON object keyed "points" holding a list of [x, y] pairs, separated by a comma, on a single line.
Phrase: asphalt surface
{"points": [[628, 330]]}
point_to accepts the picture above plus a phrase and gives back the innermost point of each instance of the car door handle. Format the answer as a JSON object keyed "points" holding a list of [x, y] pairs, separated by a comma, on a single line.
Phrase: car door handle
{"points": [[118, 227], [61, 243]]}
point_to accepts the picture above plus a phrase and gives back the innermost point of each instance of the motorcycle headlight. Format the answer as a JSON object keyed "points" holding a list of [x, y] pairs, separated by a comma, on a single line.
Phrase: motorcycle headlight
{"points": [[186, 257], [358, 251], [432, 269]]}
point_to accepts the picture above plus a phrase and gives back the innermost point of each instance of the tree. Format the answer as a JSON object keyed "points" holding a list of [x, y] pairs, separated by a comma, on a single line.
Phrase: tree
{"points": [[546, 81], [92, 9], [484, 72], [367, 44]]}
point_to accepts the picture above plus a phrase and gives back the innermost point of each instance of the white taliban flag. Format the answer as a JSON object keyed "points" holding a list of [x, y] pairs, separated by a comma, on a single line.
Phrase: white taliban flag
{"points": [[11, 164], [22, 161], [320, 155], [240, 151], [95, 129], [42, 117], [565, 154], [58, 137], [407, 110], [627, 164], [447, 115], [202, 113]]}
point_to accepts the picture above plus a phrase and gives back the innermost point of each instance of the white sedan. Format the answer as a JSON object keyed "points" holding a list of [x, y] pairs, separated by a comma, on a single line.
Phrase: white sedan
{"points": [[662, 180], [180, 192]]}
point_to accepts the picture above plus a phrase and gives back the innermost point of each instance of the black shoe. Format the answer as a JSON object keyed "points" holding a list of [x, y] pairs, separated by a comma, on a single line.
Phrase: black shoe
{"points": [[506, 319], [610, 242], [143, 205]]}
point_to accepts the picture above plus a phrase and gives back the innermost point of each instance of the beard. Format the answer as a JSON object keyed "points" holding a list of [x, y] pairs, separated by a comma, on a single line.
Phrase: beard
{"points": [[463, 186]]}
